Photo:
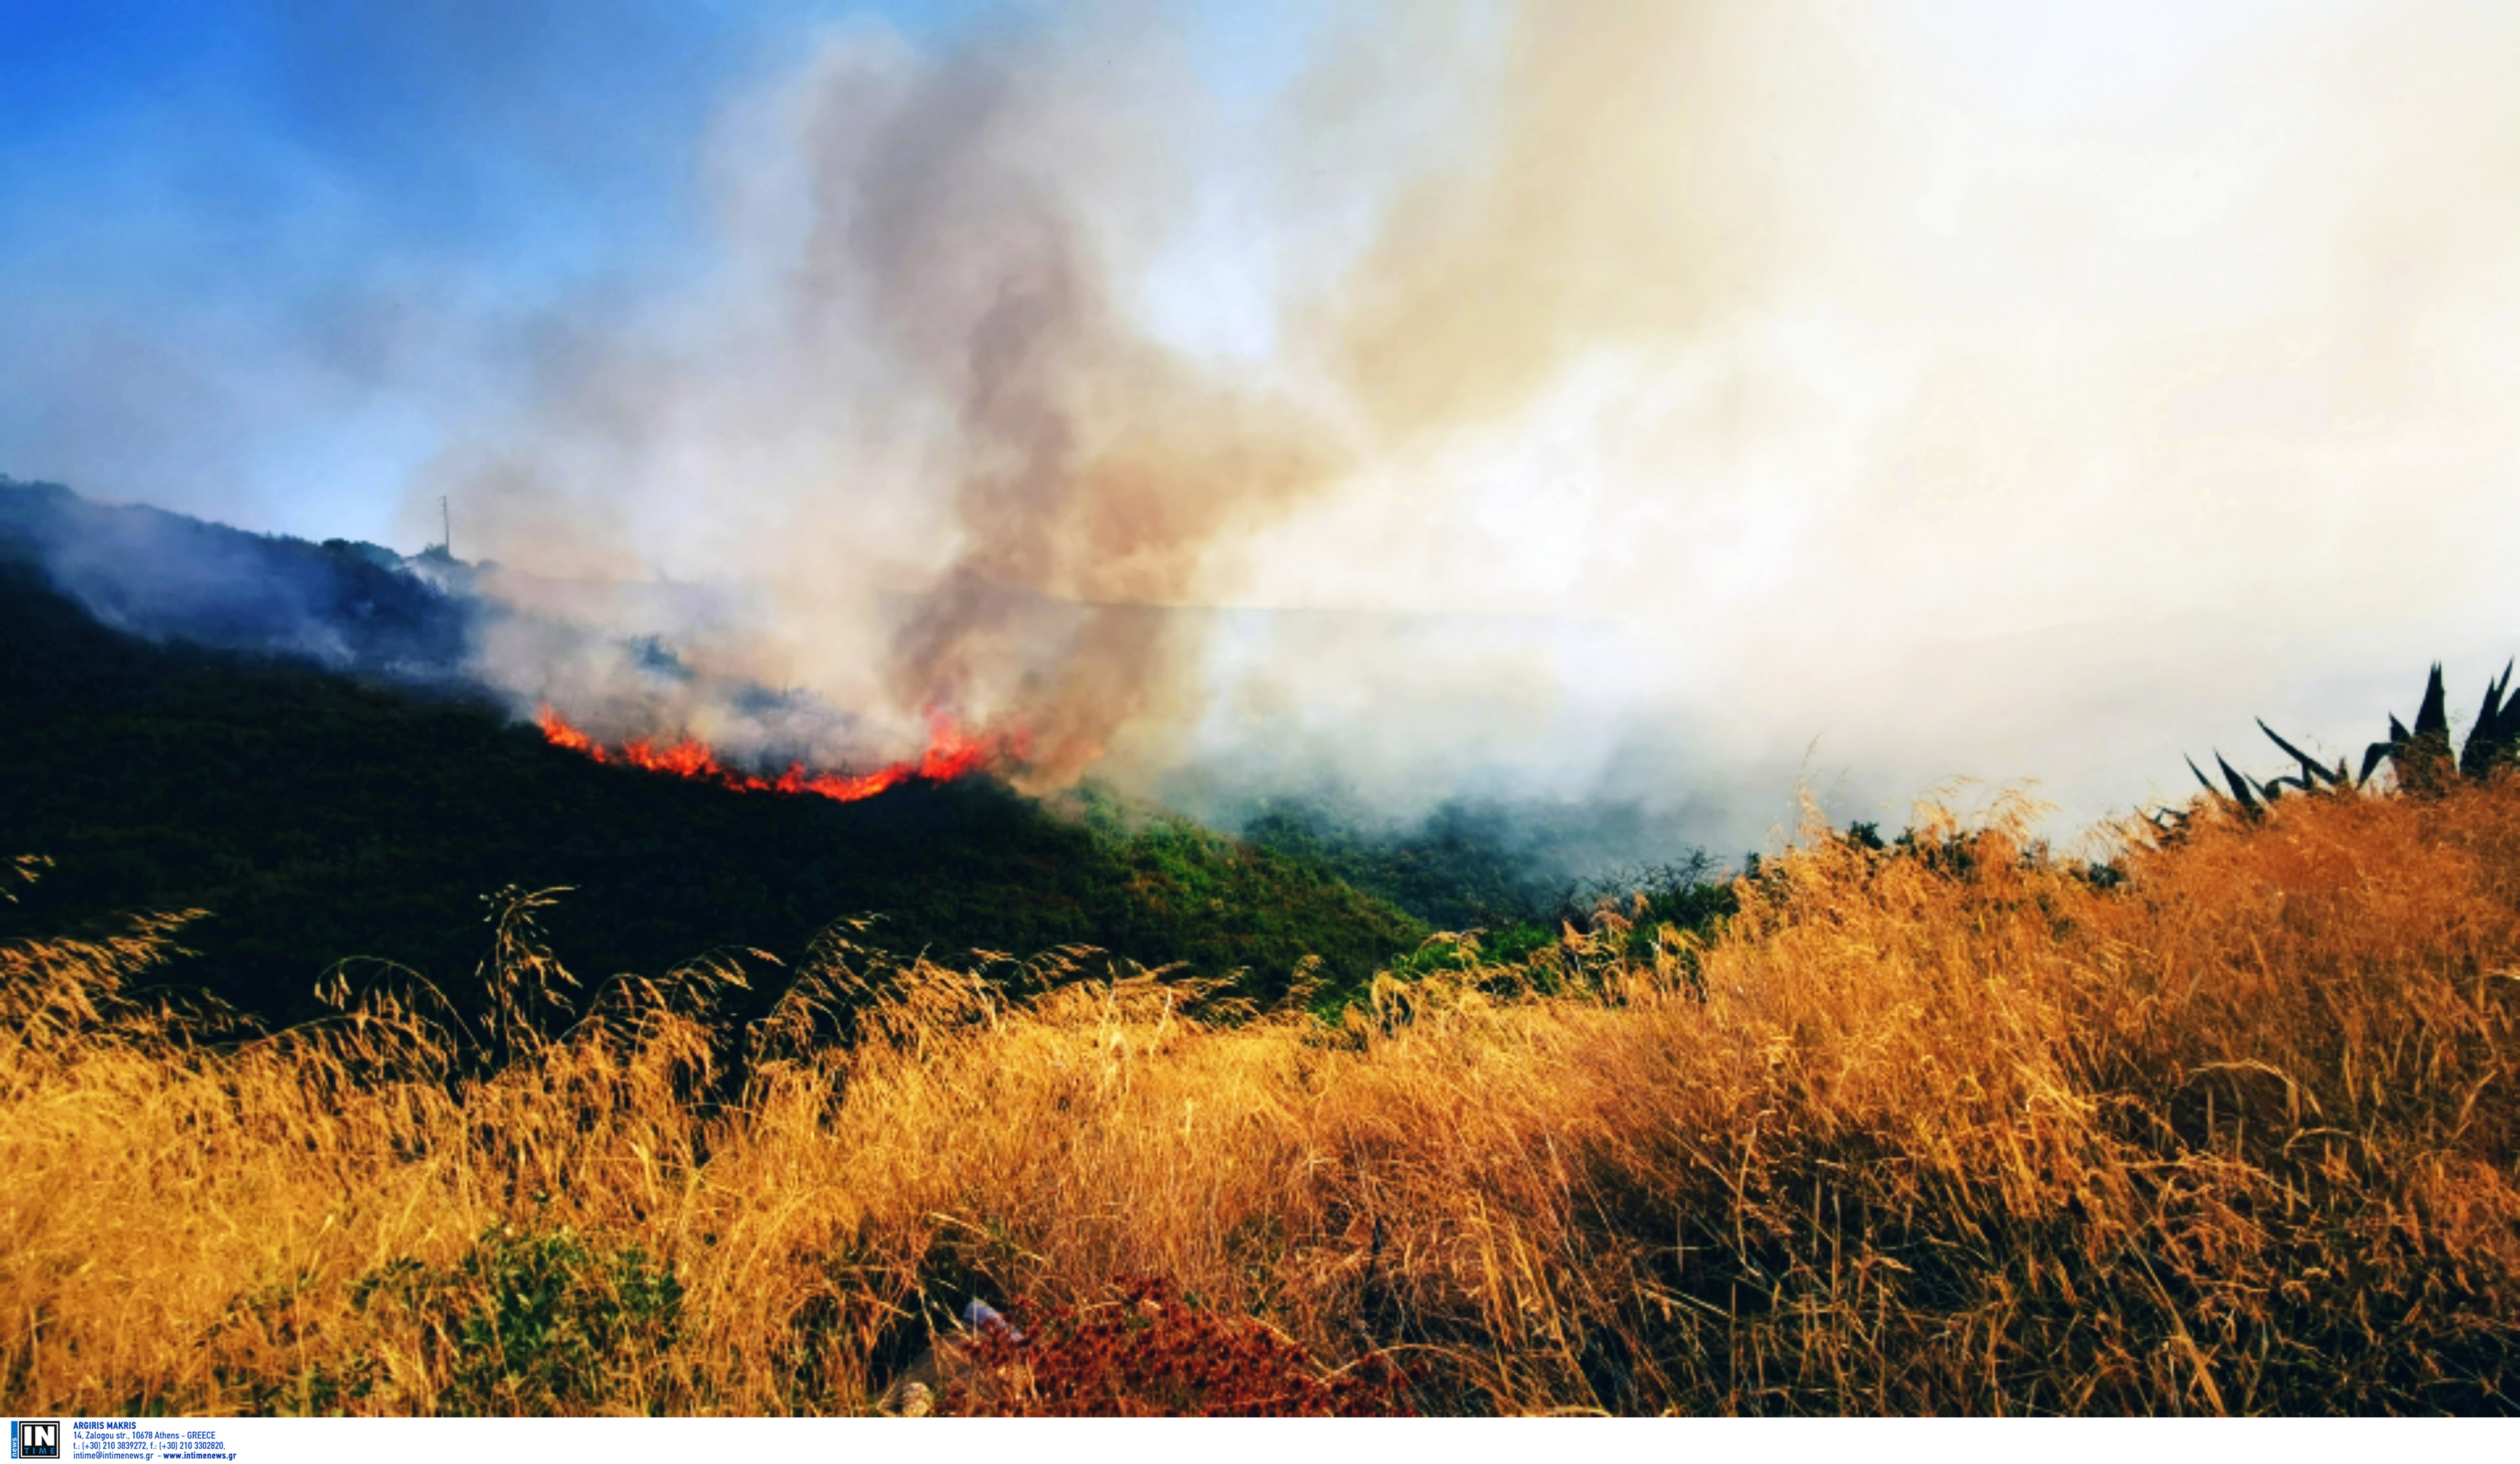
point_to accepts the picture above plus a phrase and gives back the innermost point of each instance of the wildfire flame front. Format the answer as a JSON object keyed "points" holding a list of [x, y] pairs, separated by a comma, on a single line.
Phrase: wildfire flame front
{"points": [[951, 753]]}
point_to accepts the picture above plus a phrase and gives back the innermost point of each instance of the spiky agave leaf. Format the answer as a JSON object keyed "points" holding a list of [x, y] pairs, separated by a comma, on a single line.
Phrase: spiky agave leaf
{"points": [[2312, 773], [2394, 749], [2422, 756], [2425, 761], [2240, 789], [2432, 720], [2496, 733]]}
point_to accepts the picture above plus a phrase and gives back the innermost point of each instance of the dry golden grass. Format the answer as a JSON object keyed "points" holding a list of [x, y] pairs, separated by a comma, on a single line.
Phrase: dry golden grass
{"points": [[1952, 1133]]}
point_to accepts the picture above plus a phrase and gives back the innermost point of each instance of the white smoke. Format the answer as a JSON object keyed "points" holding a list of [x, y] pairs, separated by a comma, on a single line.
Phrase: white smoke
{"points": [[1646, 400]]}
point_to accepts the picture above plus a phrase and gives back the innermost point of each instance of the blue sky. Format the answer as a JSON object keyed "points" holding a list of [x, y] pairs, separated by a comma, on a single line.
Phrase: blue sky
{"points": [[261, 258]]}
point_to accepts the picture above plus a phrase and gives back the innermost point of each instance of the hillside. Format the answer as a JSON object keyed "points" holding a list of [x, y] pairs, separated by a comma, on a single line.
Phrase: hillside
{"points": [[1937, 1124], [322, 816]]}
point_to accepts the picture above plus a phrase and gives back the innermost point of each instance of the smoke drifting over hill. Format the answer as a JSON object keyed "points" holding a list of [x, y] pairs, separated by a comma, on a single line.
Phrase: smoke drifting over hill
{"points": [[1651, 402], [923, 427]]}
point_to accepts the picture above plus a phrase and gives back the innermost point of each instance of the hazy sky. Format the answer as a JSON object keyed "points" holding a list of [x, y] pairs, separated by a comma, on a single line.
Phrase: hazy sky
{"points": [[263, 258], [1697, 397]]}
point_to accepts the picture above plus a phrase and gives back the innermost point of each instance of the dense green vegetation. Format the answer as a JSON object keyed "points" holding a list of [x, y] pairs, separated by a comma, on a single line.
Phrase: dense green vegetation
{"points": [[1469, 868], [322, 818], [1453, 869]]}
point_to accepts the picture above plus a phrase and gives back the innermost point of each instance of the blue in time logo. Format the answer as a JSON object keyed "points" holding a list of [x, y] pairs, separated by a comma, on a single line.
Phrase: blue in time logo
{"points": [[34, 1438]]}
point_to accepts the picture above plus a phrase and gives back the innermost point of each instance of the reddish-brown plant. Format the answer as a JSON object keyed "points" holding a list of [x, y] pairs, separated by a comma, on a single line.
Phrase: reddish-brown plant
{"points": [[1148, 1352]]}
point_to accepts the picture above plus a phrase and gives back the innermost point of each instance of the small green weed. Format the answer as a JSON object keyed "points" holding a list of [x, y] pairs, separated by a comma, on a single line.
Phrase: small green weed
{"points": [[535, 1323]]}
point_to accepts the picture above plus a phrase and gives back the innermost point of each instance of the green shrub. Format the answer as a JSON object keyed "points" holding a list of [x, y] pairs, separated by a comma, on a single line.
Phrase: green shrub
{"points": [[535, 1323]]}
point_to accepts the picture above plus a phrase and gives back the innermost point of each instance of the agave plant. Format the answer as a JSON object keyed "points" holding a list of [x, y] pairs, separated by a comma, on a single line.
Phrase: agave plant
{"points": [[2421, 757]]}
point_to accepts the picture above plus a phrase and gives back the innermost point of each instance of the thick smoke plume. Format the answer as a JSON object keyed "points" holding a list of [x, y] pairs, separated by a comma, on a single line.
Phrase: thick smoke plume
{"points": [[919, 349], [1093, 464], [1652, 399]]}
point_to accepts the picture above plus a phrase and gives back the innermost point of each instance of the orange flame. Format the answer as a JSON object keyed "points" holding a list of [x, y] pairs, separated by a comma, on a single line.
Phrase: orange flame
{"points": [[951, 753], [561, 734]]}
